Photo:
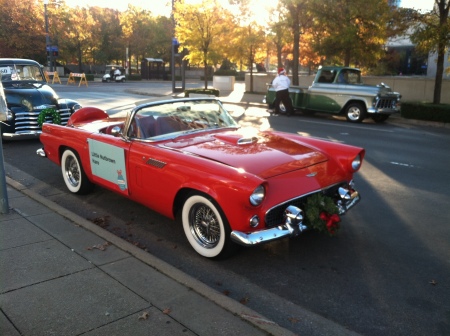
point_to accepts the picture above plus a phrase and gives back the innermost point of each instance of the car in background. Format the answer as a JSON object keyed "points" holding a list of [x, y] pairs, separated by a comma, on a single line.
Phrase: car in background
{"points": [[189, 159], [111, 75], [30, 100]]}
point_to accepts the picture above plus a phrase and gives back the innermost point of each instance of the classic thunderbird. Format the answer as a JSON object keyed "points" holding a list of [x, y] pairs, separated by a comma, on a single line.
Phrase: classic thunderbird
{"points": [[189, 159]]}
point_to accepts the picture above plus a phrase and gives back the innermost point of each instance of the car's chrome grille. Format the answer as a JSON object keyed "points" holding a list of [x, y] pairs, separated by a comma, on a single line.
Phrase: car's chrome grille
{"points": [[27, 121], [275, 216], [386, 103]]}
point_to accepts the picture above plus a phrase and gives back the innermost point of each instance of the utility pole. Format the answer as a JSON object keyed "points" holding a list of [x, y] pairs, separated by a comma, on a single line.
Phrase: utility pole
{"points": [[4, 206]]}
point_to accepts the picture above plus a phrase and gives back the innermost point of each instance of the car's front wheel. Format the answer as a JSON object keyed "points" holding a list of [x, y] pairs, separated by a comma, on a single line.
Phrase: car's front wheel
{"points": [[206, 229], [73, 173], [355, 112]]}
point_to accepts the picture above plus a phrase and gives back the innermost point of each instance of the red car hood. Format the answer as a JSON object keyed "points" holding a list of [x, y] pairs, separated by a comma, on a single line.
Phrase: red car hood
{"points": [[263, 154]]}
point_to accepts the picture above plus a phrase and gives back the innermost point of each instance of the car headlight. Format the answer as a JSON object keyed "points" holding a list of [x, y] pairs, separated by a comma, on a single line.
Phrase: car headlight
{"points": [[9, 115], [257, 195], [76, 107], [356, 163]]}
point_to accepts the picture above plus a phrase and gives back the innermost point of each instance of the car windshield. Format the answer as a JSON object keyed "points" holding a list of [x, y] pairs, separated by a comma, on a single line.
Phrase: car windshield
{"points": [[169, 120], [20, 72]]}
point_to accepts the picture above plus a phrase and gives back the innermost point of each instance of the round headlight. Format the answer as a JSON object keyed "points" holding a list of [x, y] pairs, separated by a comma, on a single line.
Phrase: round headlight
{"points": [[257, 196], [76, 107], [356, 163]]}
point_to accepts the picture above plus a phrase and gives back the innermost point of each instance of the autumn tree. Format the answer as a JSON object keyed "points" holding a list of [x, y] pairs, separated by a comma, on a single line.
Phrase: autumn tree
{"points": [[76, 38], [246, 38], [351, 33], [200, 28], [279, 35], [138, 27], [433, 34], [298, 18], [22, 32], [107, 37]]}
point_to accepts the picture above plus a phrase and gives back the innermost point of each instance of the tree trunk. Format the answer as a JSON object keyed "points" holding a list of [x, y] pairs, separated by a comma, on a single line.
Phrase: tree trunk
{"points": [[438, 78], [296, 51], [251, 68], [205, 65]]}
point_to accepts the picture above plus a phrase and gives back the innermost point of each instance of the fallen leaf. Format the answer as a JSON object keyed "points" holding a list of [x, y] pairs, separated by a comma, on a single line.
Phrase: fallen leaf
{"points": [[244, 300], [167, 311], [144, 316], [226, 292], [101, 221], [293, 320], [100, 247]]}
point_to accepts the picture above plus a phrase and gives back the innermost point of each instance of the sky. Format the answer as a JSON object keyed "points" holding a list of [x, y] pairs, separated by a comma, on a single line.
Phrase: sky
{"points": [[163, 7]]}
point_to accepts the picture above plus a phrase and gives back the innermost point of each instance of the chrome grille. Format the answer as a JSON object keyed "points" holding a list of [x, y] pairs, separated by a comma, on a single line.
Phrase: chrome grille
{"points": [[386, 103], [275, 216], [27, 121]]}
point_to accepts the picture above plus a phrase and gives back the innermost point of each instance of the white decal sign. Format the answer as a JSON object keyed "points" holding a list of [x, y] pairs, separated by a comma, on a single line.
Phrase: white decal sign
{"points": [[108, 162], [5, 70]]}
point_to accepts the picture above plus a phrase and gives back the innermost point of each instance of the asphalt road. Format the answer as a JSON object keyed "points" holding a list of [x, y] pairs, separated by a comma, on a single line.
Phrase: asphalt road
{"points": [[386, 273]]}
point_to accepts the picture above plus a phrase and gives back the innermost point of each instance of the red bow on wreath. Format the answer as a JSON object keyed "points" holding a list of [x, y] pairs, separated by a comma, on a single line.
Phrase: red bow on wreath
{"points": [[332, 222]]}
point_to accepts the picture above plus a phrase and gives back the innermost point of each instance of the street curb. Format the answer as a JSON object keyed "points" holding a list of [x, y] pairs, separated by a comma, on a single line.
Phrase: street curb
{"points": [[237, 309]]}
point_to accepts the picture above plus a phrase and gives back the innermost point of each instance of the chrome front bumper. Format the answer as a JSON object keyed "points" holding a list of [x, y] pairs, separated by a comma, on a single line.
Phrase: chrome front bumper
{"points": [[293, 225], [22, 135]]}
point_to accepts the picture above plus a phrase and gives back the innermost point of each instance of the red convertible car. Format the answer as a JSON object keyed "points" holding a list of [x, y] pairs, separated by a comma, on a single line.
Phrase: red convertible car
{"points": [[189, 159]]}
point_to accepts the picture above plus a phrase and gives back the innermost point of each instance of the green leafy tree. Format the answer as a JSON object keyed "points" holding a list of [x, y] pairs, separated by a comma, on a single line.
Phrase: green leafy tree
{"points": [[433, 34]]}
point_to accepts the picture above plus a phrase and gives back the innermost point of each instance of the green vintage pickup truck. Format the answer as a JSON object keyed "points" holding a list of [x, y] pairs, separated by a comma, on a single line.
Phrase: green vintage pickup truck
{"points": [[339, 90]]}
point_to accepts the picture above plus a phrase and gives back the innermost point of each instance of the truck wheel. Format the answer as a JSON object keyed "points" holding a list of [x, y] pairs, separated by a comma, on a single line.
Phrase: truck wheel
{"points": [[379, 118], [355, 112], [73, 174], [205, 227]]}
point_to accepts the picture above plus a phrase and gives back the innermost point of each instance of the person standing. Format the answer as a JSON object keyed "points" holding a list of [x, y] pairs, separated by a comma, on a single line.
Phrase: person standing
{"points": [[281, 84]]}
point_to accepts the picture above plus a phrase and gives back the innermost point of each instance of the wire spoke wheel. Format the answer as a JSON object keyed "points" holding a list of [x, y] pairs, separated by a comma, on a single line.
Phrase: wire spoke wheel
{"points": [[73, 174], [205, 227]]}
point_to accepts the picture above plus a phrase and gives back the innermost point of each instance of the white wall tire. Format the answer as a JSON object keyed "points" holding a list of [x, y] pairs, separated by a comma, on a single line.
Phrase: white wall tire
{"points": [[73, 174], [205, 227]]}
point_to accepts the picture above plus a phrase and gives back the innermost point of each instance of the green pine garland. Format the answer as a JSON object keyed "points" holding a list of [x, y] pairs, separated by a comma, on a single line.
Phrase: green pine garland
{"points": [[49, 112], [315, 205]]}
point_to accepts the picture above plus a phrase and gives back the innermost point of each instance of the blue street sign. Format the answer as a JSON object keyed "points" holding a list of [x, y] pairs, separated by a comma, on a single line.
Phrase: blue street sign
{"points": [[52, 48]]}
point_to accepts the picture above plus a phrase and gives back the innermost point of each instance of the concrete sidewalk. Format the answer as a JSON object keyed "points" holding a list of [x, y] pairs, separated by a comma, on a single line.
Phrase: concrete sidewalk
{"points": [[63, 275]]}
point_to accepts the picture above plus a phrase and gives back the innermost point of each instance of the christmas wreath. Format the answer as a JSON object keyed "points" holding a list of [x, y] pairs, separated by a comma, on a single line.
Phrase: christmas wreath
{"points": [[322, 214], [49, 112]]}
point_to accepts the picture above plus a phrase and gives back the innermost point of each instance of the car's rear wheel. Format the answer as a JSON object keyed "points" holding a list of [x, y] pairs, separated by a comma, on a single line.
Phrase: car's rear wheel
{"points": [[73, 173], [206, 228], [355, 112]]}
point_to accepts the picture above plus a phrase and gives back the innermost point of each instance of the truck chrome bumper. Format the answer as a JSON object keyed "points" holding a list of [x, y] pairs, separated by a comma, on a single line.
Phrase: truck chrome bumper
{"points": [[374, 110]]}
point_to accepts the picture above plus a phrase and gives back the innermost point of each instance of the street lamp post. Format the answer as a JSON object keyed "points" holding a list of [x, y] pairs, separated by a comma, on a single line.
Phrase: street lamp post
{"points": [[47, 38]]}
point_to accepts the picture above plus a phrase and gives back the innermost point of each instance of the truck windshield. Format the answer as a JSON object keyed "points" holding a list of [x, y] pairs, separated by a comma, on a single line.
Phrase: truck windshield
{"points": [[19, 72]]}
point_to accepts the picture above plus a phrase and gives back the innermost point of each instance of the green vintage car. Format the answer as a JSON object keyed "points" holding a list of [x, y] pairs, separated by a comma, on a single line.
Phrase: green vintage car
{"points": [[340, 90]]}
